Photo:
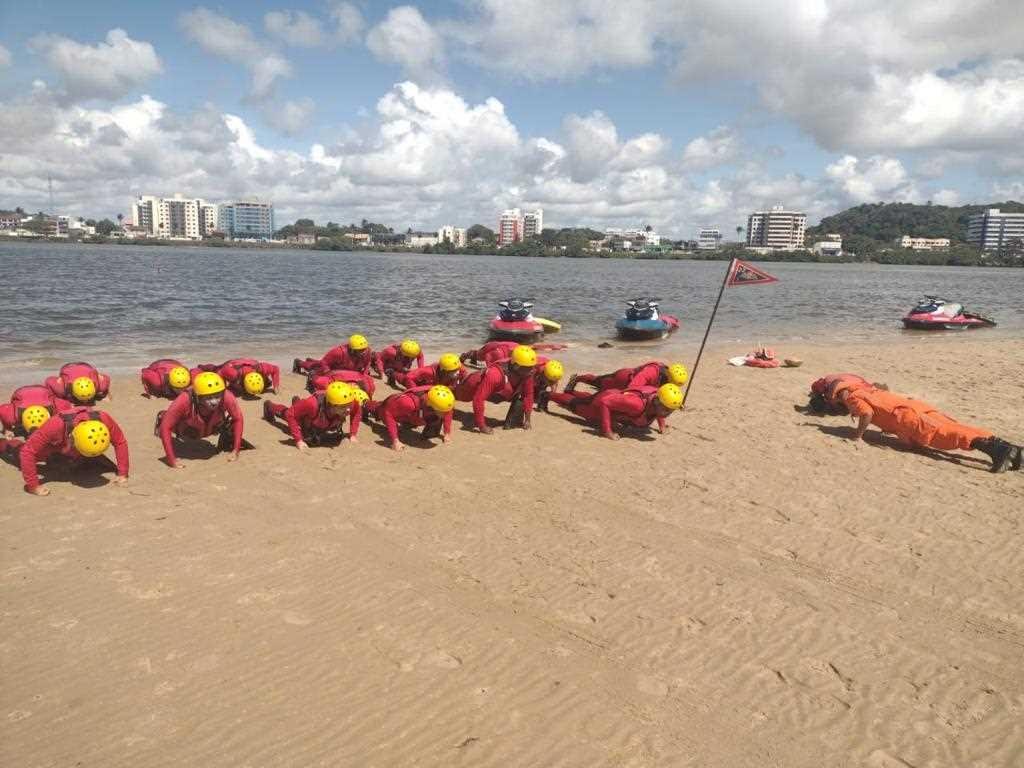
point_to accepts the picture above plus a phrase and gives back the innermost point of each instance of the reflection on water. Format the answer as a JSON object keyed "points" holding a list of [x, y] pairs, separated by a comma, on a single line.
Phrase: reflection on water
{"points": [[123, 306]]}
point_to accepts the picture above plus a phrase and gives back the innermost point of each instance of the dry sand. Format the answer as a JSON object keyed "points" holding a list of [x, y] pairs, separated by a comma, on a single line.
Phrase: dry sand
{"points": [[750, 589]]}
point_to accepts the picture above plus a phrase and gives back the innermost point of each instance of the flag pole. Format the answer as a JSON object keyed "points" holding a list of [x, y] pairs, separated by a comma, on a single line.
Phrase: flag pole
{"points": [[693, 373]]}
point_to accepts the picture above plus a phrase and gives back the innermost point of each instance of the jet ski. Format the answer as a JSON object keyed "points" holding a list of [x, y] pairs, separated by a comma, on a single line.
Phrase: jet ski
{"points": [[643, 320], [515, 322], [935, 314]]}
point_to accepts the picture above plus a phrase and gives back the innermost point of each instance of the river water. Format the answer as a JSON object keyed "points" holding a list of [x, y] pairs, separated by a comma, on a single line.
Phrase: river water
{"points": [[121, 306]]}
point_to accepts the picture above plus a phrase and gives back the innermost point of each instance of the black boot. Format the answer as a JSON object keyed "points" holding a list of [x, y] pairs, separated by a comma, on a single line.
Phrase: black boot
{"points": [[543, 398], [296, 365], [570, 385], [268, 415], [1003, 454]]}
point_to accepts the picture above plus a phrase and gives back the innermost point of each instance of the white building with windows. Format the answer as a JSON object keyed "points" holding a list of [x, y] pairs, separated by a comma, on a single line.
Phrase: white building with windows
{"points": [[455, 235], [510, 227], [420, 239], [777, 229], [993, 230], [922, 243], [709, 239], [533, 223]]}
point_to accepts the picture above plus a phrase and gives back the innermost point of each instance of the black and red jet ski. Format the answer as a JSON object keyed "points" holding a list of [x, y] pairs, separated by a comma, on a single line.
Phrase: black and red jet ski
{"points": [[515, 322], [935, 314]]}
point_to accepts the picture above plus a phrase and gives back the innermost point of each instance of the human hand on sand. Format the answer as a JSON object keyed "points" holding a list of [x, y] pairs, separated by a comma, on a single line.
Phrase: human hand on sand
{"points": [[177, 466], [120, 480], [233, 457], [526, 424], [39, 491], [486, 430], [446, 438], [397, 446], [352, 439], [613, 435], [302, 446]]}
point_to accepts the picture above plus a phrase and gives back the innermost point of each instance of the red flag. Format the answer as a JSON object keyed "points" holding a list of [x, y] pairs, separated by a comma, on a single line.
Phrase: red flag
{"points": [[743, 273]]}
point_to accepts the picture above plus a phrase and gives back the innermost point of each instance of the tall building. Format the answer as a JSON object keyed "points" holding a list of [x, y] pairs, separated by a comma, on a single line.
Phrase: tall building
{"points": [[778, 229], [510, 227], [144, 212], [533, 223], [709, 239], [455, 235], [208, 219], [174, 218], [993, 230], [246, 219]]}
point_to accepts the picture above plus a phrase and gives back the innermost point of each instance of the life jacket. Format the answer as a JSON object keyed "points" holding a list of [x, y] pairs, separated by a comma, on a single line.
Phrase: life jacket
{"points": [[242, 362], [28, 396], [760, 362], [75, 417], [71, 371]]}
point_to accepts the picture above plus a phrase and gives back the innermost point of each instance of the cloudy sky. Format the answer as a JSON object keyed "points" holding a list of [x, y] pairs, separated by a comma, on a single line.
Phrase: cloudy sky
{"points": [[677, 113]]}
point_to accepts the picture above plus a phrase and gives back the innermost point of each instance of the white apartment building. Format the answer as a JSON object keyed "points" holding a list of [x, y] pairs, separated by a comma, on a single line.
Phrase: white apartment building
{"points": [[174, 218], [510, 227], [420, 239], [709, 239], [533, 223], [922, 243], [455, 235], [993, 230], [777, 229]]}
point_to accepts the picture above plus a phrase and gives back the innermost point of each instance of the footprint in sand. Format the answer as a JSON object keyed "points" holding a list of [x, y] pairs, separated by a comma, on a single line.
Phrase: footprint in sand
{"points": [[296, 619]]}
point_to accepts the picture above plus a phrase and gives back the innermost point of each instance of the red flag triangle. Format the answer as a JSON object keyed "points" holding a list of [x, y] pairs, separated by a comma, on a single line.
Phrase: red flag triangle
{"points": [[744, 273]]}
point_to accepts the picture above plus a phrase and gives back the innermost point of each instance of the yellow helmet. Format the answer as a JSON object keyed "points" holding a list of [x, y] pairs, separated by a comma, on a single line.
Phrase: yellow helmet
{"points": [[253, 383], [449, 363], [33, 417], [357, 342], [339, 393], [360, 396], [410, 348], [91, 437], [677, 374], [208, 383], [440, 398], [553, 370], [179, 377], [670, 396], [83, 389], [524, 356]]}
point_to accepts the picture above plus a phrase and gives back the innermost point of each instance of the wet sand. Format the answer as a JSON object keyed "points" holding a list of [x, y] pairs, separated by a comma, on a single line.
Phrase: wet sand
{"points": [[749, 589]]}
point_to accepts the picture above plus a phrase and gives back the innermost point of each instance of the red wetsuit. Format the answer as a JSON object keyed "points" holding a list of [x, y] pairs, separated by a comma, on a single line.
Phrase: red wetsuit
{"points": [[55, 437], [234, 372], [184, 420], [497, 384], [611, 406], [496, 351], [309, 417], [154, 378], [60, 384], [338, 358], [647, 375], [26, 397], [410, 408], [317, 382], [429, 375], [390, 360]]}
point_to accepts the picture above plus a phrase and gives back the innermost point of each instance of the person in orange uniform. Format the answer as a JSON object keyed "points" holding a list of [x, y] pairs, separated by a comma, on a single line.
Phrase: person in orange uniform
{"points": [[80, 383], [206, 408], [396, 359], [354, 356], [920, 424], [318, 382], [510, 381], [314, 418], [611, 407], [427, 407], [80, 433], [823, 391], [447, 370]]}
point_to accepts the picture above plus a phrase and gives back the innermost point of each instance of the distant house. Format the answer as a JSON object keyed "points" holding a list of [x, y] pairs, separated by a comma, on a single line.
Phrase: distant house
{"points": [[363, 238], [922, 243], [302, 238], [388, 239], [9, 220], [421, 239]]}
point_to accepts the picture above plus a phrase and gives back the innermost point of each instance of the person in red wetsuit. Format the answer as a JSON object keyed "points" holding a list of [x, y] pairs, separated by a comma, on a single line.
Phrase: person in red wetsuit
{"points": [[546, 375], [610, 407], [317, 382], [314, 418], [79, 433], [245, 375], [496, 351], [164, 378], [448, 371], [80, 383], [511, 381], [207, 408], [427, 407], [651, 374], [397, 358], [29, 407], [354, 356]]}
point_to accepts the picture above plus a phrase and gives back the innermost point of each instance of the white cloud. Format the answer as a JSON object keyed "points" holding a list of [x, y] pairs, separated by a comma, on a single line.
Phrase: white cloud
{"points": [[405, 38], [946, 197], [348, 22], [223, 37], [290, 118], [104, 70], [294, 28], [5, 57], [718, 147], [871, 179]]}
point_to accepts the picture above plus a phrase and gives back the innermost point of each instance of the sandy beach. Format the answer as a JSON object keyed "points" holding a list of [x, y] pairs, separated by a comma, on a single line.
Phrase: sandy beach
{"points": [[750, 589]]}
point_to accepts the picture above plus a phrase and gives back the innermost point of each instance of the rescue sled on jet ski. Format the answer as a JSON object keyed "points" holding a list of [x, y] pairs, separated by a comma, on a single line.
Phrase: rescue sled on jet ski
{"points": [[643, 320], [515, 322], [935, 314]]}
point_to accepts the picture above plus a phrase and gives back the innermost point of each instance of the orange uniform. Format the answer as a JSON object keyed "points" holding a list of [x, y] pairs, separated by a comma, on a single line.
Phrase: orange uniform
{"points": [[912, 421]]}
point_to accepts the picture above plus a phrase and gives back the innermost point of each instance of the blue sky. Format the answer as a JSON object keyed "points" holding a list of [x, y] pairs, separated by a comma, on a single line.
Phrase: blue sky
{"points": [[681, 113]]}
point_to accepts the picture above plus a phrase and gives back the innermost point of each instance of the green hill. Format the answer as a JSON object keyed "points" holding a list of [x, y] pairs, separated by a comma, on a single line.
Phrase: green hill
{"points": [[884, 222]]}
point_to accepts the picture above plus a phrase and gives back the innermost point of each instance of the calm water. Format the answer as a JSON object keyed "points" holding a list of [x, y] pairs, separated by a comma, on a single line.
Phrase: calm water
{"points": [[121, 307]]}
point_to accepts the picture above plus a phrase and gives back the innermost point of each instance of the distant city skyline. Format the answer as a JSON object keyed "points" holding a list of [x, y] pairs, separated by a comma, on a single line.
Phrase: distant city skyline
{"points": [[685, 115]]}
